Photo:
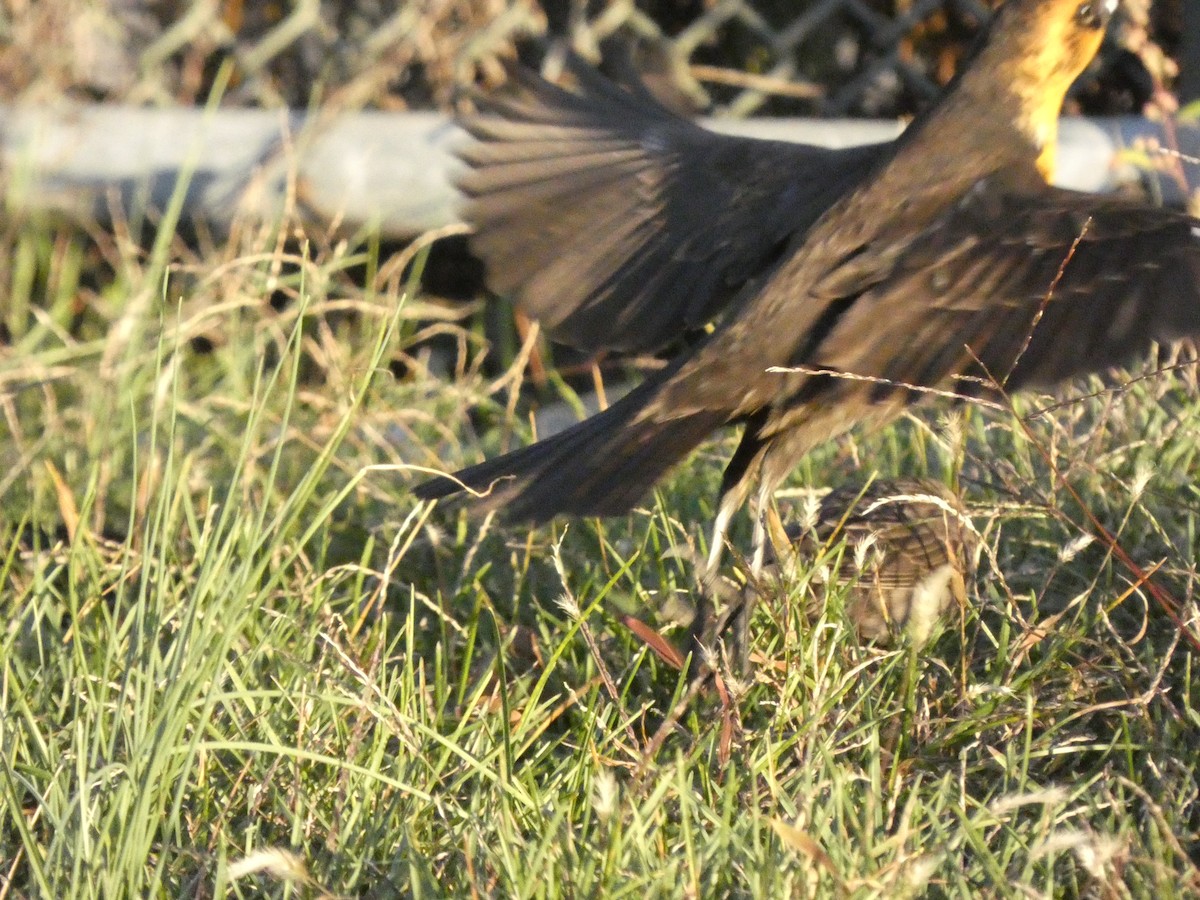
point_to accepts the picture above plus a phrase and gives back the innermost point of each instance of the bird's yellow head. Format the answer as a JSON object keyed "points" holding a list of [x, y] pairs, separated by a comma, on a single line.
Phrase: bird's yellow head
{"points": [[1035, 51]]}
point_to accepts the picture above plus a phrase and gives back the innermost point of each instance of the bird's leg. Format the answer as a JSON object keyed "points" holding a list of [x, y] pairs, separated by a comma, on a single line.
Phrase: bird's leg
{"points": [[762, 508], [740, 624], [701, 631], [717, 547]]}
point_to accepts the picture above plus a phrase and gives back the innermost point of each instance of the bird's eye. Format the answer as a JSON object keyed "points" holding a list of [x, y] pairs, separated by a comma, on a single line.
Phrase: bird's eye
{"points": [[1094, 13]]}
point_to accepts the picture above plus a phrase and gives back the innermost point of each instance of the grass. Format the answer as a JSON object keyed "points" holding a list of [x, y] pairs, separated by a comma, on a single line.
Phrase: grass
{"points": [[239, 660]]}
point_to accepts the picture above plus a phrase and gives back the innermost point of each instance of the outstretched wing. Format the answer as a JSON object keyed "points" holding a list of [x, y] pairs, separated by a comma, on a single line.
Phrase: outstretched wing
{"points": [[620, 225], [1038, 288]]}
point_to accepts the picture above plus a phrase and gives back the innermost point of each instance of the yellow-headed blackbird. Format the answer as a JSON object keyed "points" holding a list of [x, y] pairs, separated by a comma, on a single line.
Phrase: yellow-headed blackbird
{"points": [[909, 549], [947, 262]]}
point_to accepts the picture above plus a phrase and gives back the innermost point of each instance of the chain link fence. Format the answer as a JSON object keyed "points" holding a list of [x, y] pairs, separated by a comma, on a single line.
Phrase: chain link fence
{"points": [[733, 57]]}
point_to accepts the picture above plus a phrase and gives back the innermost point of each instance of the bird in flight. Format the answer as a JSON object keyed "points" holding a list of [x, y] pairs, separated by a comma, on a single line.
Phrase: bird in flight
{"points": [[839, 287]]}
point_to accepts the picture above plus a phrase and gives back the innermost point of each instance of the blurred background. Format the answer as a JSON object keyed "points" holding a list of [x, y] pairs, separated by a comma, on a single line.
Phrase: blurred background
{"points": [[811, 57], [726, 58]]}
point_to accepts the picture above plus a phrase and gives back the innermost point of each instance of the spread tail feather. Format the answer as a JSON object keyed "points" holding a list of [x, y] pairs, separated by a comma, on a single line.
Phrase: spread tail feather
{"points": [[599, 467]]}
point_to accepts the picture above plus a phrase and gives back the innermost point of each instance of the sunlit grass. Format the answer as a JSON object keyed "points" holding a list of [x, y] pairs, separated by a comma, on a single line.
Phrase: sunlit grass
{"points": [[239, 659]]}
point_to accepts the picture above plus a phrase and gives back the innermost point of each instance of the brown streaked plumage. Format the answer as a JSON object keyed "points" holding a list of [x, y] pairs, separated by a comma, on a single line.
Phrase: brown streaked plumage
{"points": [[947, 261], [910, 549]]}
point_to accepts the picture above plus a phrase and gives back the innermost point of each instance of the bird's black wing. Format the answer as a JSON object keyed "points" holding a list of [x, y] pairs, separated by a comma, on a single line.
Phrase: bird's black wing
{"points": [[1036, 288], [620, 225]]}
